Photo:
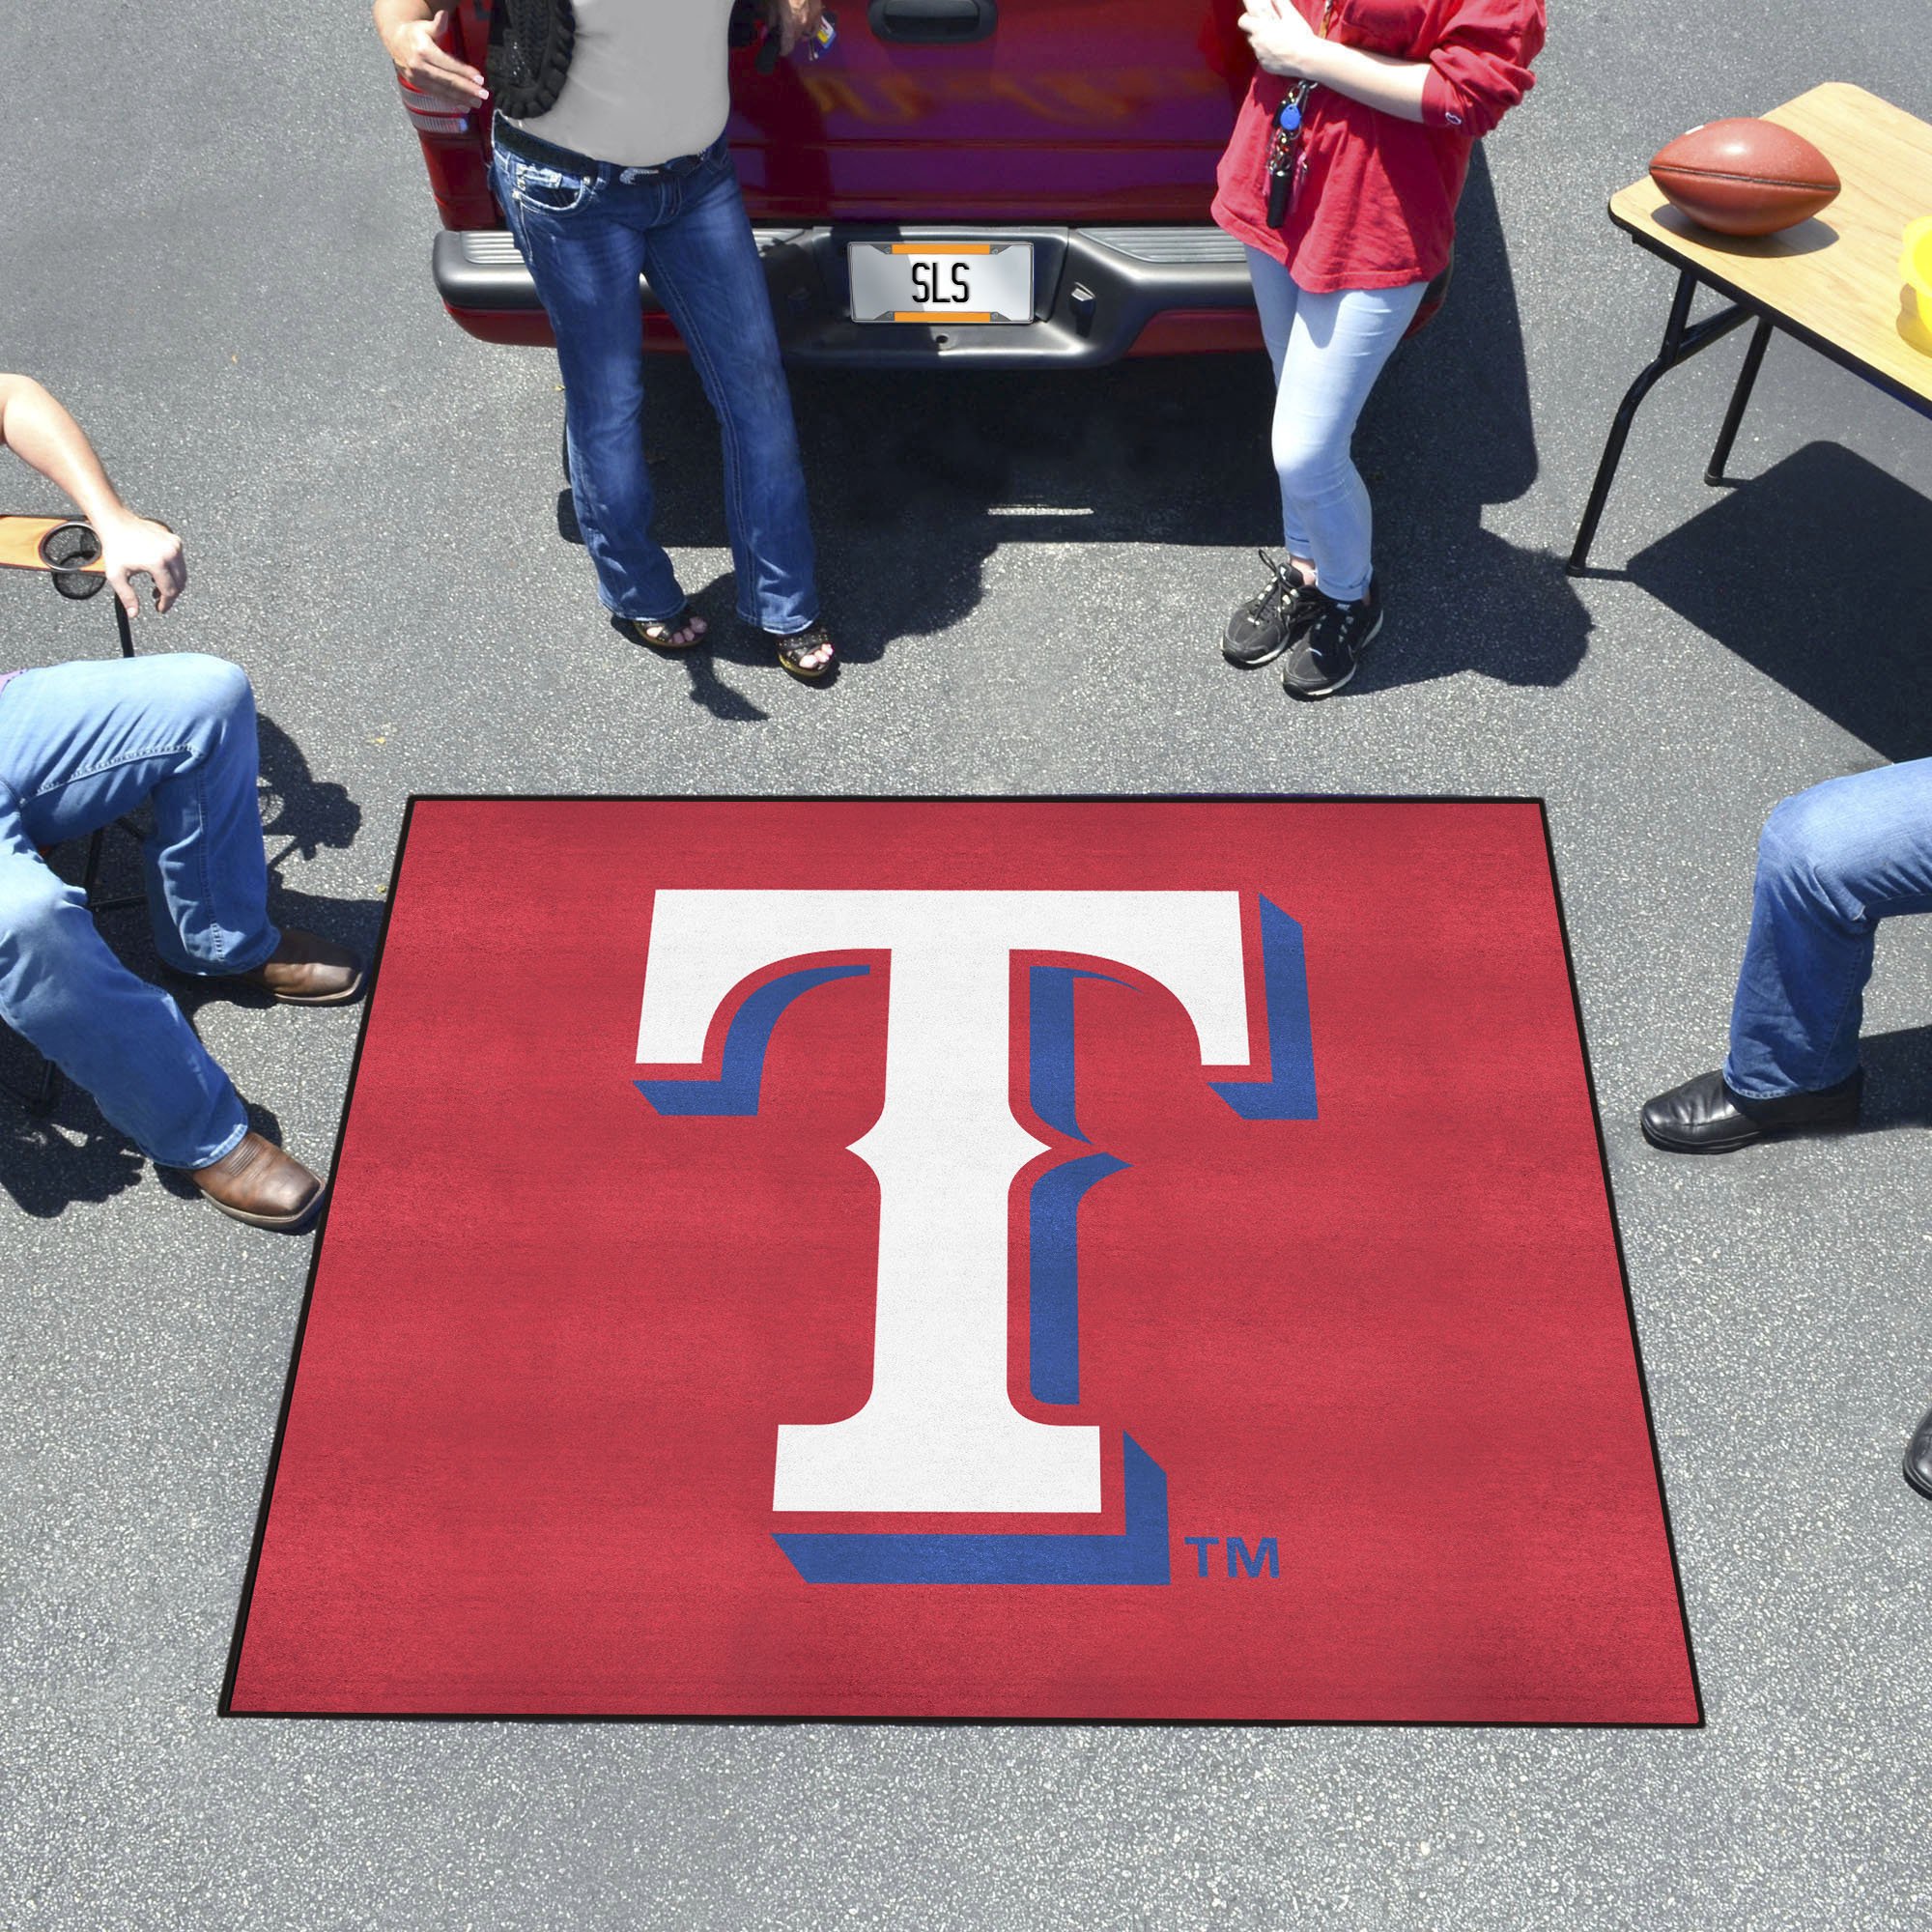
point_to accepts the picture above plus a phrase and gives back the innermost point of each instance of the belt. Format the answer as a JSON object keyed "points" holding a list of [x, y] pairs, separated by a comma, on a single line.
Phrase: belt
{"points": [[529, 147]]}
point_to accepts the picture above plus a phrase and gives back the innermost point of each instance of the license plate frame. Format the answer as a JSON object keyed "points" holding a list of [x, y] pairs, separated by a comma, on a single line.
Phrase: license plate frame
{"points": [[986, 282]]}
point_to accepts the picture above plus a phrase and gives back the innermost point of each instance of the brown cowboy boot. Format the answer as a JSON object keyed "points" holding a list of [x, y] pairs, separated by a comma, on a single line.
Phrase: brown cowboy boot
{"points": [[255, 1181], [307, 970]]}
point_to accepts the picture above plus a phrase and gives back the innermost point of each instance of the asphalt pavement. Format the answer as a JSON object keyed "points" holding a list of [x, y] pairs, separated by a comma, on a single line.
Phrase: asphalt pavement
{"points": [[213, 245]]}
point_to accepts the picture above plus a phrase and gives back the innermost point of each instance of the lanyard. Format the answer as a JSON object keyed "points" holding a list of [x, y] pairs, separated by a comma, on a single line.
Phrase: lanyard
{"points": [[1287, 121]]}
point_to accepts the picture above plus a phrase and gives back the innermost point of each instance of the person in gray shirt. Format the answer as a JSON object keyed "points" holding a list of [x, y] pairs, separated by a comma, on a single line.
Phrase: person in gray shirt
{"points": [[609, 163]]}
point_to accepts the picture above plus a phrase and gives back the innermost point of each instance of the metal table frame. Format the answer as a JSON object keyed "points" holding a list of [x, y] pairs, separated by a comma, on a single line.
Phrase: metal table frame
{"points": [[1683, 339]]}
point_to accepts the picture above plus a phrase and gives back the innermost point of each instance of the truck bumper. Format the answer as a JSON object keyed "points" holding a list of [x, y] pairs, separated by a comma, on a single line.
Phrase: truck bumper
{"points": [[1099, 293]]}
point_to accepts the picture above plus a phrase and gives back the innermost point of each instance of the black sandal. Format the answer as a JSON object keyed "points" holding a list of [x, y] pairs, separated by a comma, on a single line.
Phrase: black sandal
{"points": [[660, 634], [798, 645]]}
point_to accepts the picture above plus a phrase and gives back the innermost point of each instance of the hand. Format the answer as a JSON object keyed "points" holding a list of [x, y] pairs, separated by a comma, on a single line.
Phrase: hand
{"points": [[793, 20], [427, 67], [131, 547], [1284, 43]]}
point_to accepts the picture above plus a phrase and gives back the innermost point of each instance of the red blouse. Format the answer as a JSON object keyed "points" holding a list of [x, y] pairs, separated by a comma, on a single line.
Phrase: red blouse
{"points": [[1375, 197]]}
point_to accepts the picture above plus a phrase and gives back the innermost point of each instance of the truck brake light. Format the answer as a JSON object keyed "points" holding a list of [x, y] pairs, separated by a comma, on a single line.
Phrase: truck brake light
{"points": [[428, 116]]}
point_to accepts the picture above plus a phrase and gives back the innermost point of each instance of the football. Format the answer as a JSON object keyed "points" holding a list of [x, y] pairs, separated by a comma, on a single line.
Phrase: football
{"points": [[1744, 177]]}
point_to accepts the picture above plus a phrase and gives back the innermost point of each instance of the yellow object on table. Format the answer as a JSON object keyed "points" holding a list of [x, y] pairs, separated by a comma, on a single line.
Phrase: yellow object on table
{"points": [[1915, 317]]}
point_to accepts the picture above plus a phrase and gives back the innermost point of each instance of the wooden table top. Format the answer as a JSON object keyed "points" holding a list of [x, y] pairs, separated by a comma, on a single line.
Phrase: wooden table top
{"points": [[1835, 277]]}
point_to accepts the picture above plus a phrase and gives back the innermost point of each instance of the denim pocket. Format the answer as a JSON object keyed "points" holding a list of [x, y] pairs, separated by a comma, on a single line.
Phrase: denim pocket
{"points": [[548, 190]]}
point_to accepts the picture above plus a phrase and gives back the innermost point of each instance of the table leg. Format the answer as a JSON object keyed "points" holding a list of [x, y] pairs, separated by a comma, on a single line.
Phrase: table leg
{"points": [[1681, 340], [1739, 397]]}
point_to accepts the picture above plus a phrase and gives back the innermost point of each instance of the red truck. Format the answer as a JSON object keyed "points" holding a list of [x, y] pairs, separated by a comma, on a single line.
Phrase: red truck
{"points": [[1022, 182]]}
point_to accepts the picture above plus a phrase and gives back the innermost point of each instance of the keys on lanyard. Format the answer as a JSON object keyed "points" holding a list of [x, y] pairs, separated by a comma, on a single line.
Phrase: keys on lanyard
{"points": [[1287, 137], [1282, 144]]}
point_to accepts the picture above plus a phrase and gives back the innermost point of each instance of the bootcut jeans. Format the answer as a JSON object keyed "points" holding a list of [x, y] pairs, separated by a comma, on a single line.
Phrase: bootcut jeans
{"points": [[81, 745], [588, 230]]}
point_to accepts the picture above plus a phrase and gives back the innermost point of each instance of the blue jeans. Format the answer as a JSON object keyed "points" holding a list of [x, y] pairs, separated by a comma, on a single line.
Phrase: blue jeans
{"points": [[1327, 351], [81, 743], [587, 234], [1832, 862]]}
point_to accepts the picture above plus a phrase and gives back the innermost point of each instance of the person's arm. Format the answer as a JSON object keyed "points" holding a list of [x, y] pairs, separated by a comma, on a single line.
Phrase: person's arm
{"points": [[407, 30], [1470, 80], [45, 437], [1285, 43], [795, 20]]}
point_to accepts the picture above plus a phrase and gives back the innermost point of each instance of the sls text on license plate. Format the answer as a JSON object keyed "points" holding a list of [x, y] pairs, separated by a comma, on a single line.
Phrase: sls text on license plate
{"points": [[941, 281]]}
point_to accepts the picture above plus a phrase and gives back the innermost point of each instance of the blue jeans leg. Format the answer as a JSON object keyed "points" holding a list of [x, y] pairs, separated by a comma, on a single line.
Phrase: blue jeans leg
{"points": [[81, 743], [1832, 862], [1327, 350], [588, 238], [705, 270], [586, 267]]}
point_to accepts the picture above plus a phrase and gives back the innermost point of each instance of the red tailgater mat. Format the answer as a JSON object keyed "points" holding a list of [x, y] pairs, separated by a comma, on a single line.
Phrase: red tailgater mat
{"points": [[969, 1259]]}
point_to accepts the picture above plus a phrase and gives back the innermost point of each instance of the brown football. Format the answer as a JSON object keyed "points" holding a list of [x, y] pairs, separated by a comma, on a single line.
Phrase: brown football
{"points": [[1744, 177]]}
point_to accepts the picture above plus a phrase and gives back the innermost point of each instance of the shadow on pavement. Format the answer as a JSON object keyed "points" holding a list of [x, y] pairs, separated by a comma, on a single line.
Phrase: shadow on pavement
{"points": [[46, 1165], [1898, 1077], [1814, 573], [726, 637], [917, 477], [1447, 433], [307, 812]]}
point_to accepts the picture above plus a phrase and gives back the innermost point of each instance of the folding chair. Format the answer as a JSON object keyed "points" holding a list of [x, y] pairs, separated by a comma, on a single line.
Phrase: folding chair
{"points": [[68, 553]]}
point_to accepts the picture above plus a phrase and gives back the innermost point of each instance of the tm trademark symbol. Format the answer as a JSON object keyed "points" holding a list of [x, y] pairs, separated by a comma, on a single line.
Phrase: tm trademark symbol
{"points": [[1239, 1561]]}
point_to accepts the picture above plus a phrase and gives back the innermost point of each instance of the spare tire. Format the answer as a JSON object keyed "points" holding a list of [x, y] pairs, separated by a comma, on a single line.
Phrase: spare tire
{"points": [[531, 44]]}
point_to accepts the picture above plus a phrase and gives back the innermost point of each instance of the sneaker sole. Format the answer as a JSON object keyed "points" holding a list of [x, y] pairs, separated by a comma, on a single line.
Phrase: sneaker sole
{"points": [[1329, 689], [1253, 663]]}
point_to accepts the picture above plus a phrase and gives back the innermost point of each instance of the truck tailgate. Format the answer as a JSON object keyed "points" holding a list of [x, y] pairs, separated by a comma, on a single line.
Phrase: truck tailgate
{"points": [[1065, 111]]}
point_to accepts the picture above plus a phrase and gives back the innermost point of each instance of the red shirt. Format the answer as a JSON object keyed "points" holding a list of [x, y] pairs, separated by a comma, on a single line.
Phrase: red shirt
{"points": [[1374, 198]]}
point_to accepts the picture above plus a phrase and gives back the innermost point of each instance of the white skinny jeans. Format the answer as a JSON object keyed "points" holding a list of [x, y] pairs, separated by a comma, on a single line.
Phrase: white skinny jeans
{"points": [[1327, 351]]}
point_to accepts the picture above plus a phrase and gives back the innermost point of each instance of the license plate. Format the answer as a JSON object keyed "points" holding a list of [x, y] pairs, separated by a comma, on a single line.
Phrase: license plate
{"points": [[941, 281]]}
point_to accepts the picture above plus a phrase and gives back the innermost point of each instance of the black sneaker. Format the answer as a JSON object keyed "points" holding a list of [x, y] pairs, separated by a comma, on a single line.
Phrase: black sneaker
{"points": [[1265, 626], [1328, 655]]}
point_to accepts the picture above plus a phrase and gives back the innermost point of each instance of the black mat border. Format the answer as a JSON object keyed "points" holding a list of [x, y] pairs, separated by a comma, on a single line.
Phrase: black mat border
{"points": [[224, 1705]]}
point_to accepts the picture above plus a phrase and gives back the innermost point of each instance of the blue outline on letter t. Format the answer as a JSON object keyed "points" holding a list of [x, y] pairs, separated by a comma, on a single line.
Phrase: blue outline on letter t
{"points": [[1285, 1092]]}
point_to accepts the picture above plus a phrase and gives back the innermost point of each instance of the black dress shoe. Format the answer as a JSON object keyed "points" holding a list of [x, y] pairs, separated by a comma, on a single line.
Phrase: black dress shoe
{"points": [[1919, 1455], [1703, 1116]]}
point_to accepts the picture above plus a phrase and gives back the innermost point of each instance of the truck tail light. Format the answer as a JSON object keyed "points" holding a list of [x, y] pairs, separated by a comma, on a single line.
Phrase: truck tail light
{"points": [[428, 116]]}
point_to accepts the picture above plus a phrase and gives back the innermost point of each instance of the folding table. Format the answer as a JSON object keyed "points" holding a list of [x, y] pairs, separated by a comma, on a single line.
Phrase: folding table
{"points": [[1833, 282]]}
